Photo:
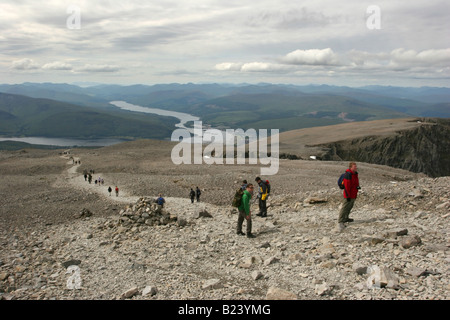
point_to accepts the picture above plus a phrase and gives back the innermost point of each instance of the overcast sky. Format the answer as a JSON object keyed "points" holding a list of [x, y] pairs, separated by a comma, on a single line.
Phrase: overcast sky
{"points": [[355, 43]]}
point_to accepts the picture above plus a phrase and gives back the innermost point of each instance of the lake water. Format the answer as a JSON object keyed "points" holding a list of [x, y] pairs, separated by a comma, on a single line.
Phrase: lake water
{"points": [[183, 117], [64, 142], [67, 142]]}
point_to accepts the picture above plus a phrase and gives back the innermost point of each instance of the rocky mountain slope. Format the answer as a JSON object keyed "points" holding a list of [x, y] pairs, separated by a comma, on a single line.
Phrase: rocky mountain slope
{"points": [[63, 238]]}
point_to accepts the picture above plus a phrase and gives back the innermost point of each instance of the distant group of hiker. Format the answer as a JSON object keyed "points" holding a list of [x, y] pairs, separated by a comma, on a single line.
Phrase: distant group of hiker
{"points": [[116, 189], [195, 194], [99, 181], [88, 175], [348, 182]]}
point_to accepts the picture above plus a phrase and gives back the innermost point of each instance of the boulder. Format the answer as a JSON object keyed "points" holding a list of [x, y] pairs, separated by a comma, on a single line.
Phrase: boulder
{"points": [[394, 233], [212, 284], [204, 214], [410, 241], [257, 275], [149, 290], [279, 294], [381, 277], [323, 289], [129, 293]]}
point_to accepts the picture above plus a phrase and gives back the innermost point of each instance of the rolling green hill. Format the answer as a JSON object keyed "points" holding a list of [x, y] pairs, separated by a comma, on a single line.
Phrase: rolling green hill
{"points": [[288, 112], [24, 116]]}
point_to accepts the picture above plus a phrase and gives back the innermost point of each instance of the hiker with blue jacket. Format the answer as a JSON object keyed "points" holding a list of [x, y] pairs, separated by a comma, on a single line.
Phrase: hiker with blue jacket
{"points": [[245, 213], [160, 201]]}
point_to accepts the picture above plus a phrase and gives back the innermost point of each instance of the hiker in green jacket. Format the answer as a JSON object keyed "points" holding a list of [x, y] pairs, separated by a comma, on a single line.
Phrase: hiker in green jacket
{"points": [[244, 212]]}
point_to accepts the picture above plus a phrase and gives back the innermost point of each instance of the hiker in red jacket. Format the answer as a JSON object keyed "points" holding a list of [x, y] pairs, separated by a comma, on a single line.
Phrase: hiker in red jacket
{"points": [[351, 184]]}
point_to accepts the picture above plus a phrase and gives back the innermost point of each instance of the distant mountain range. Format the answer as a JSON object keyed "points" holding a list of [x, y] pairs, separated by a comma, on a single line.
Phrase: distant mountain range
{"points": [[66, 110]]}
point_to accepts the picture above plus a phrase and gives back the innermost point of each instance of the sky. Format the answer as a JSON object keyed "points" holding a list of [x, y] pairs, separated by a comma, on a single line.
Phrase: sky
{"points": [[353, 43]]}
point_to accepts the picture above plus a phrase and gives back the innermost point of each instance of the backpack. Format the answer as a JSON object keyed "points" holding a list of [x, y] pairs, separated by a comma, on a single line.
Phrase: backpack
{"points": [[237, 200], [268, 186], [341, 181]]}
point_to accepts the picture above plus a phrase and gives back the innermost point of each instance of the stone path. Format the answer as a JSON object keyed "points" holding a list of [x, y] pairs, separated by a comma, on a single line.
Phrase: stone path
{"points": [[76, 180]]}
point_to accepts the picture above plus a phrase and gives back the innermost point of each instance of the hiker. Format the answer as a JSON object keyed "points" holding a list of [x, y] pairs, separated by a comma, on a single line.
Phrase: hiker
{"points": [[192, 195], [262, 198], [85, 177], [160, 201], [245, 213], [109, 190], [90, 178], [351, 187], [117, 191], [198, 193], [244, 185]]}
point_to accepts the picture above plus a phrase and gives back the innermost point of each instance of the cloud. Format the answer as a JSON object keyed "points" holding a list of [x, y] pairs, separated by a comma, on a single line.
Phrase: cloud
{"points": [[412, 58], [261, 67], [30, 64], [228, 66], [57, 66], [240, 39], [24, 64], [325, 63], [98, 68], [311, 57], [250, 67]]}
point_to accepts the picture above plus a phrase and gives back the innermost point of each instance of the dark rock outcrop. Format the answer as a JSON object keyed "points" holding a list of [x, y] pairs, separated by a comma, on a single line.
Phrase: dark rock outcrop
{"points": [[424, 149]]}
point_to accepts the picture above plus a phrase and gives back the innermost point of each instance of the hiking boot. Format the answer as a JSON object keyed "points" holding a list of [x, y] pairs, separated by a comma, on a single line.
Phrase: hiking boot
{"points": [[340, 227], [349, 220], [259, 214], [264, 215], [240, 233], [250, 235]]}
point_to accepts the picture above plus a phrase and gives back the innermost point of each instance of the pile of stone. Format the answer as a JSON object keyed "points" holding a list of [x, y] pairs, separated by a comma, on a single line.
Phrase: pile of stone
{"points": [[145, 212]]}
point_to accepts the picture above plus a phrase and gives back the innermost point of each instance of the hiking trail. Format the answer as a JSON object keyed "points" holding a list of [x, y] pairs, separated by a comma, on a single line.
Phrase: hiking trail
{"points": [[76, 180]]}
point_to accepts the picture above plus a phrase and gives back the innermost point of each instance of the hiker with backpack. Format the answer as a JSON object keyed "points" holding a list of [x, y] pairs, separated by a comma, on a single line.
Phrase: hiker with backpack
{"points": [[263, 192], [198, 193], [192, 195], [160, 201], [244, 212], [109, 190], [349, 182]]}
